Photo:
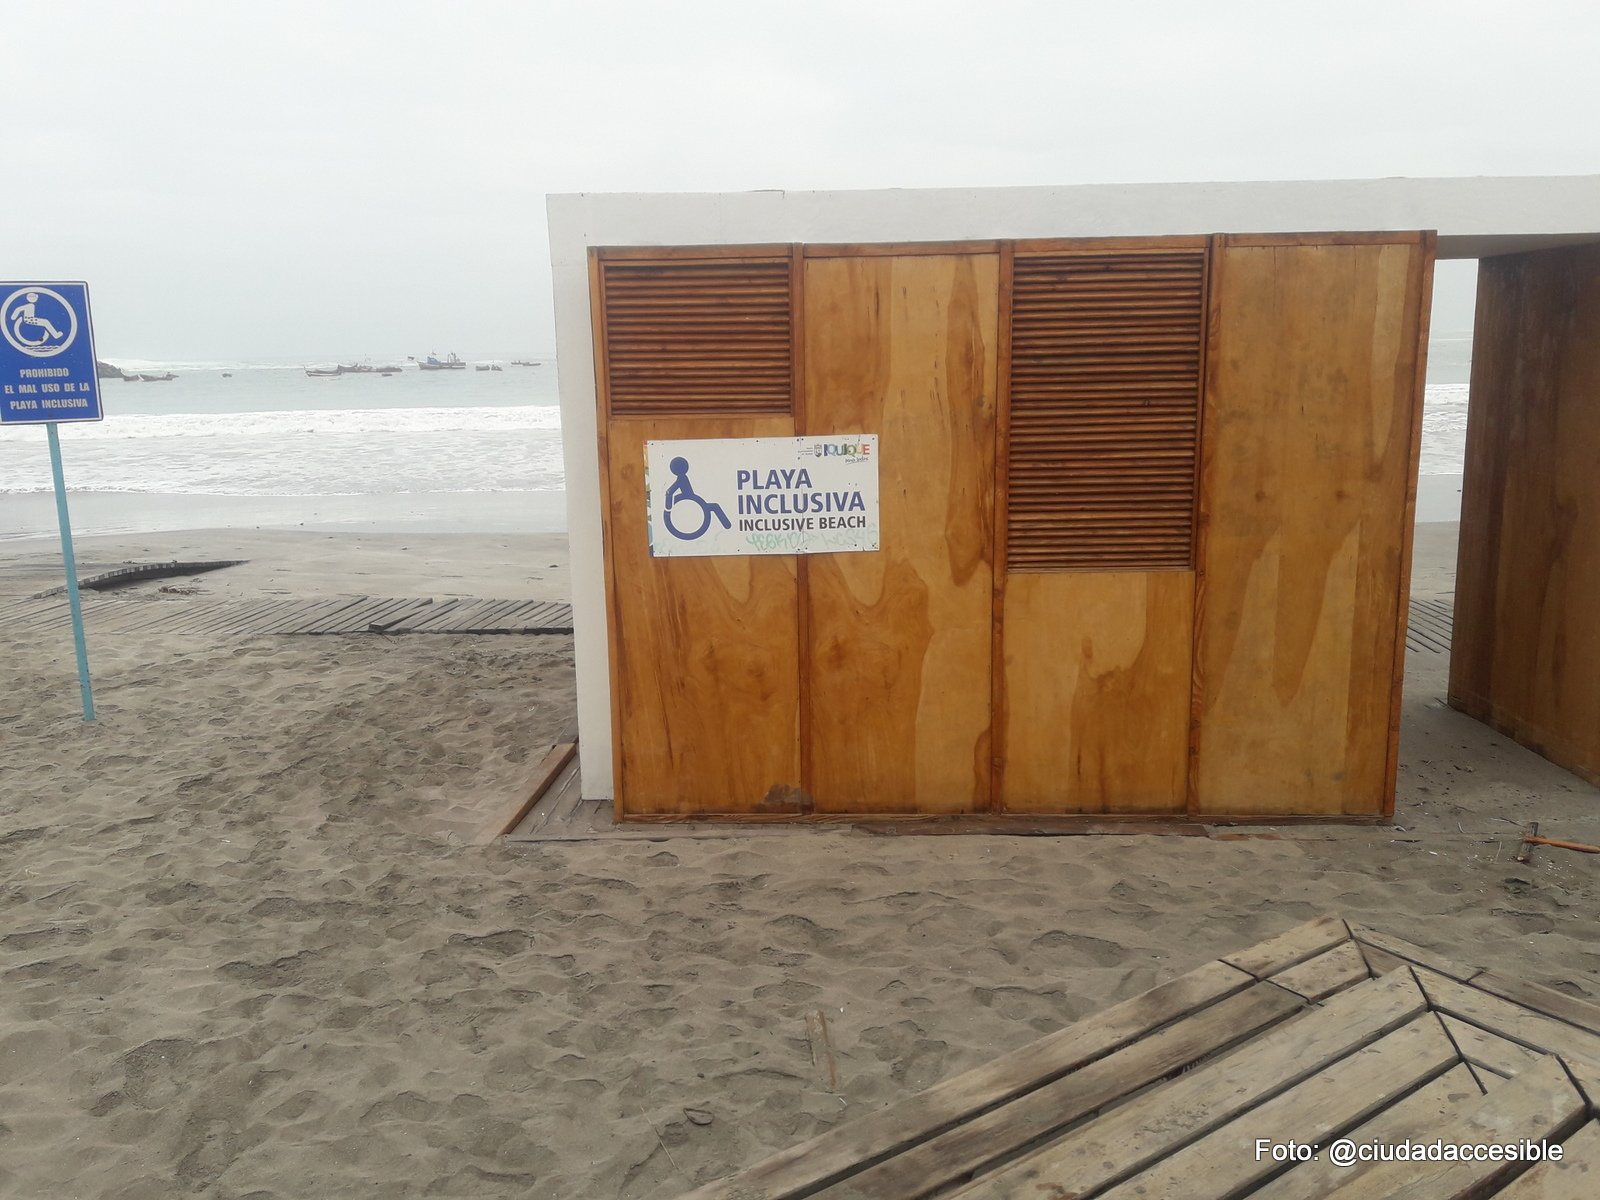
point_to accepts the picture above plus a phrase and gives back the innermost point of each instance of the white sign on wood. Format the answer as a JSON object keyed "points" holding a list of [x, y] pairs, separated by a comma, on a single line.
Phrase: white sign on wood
{"points": [[803, 495]]}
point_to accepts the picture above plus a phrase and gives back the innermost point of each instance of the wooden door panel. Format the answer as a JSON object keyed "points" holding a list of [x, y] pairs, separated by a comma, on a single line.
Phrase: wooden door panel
{"points": [[1308, 455], [706, 652], [1097, 668], [899, 642]]}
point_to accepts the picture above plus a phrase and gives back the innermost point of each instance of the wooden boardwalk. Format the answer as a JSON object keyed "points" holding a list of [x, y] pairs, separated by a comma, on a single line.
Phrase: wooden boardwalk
{"points": [[224, 619], [1430, 625], [1331, 1031]]}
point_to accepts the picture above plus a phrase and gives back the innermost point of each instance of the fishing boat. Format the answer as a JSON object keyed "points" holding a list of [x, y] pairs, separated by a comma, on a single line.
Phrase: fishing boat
{"points": [[156, 378], [523, 362], [324, 371], [434, 363]]}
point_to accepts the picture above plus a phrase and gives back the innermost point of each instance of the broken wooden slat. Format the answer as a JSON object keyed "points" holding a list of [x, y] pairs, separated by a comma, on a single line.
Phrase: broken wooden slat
{"points": [[1488, 1050], [833, 1155], [1400, 948], [1293, 946], [1541, 999], [1507, 1019], [1331, 1102], [1329, 972], [1162, 1120]]}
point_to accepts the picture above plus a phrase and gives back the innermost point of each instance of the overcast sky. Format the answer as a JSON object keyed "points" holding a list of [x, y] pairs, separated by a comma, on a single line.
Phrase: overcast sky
{"points": [[243, 180]]}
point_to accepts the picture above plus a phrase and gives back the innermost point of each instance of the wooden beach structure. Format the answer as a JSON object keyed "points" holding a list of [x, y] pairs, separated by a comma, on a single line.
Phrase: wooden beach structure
{"points": [[1146, 472], [1330, 1033]]}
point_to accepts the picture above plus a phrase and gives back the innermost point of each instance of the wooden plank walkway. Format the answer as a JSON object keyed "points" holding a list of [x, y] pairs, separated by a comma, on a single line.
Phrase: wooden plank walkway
{"points": [[1330, 1031], [1430, 625], [224, 619]]}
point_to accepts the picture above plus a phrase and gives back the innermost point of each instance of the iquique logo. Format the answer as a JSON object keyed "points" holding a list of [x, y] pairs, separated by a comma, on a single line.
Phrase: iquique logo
{"points": [[860, 451]]}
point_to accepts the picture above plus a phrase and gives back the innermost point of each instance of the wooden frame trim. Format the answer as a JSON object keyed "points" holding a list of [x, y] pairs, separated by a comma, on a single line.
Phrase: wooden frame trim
{"points": [[1202, 511], [1423, 300], [800, 425], [1200, 516], [1000, 531], [1166, 243], [772, 252], [897, 249], [614, 648], [1023, 822], [1388, 237]]}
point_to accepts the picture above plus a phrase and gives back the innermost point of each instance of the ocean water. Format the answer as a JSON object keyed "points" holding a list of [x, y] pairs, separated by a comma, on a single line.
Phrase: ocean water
{"points": [[474, 450]]}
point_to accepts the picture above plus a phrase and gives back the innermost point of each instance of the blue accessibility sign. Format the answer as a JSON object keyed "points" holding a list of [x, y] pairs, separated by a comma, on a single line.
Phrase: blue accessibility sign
{"points": [[47, 363]]}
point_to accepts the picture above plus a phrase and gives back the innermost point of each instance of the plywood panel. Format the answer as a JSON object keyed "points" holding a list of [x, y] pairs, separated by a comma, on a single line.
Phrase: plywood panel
{"points": [[1305, 466], [705, 653], [1526, 651], [1096, 699], [899, 643]]}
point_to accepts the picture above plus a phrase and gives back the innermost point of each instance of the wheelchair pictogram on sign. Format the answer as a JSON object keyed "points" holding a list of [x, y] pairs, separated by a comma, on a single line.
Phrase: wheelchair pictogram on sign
{"points": [[38, 322]]}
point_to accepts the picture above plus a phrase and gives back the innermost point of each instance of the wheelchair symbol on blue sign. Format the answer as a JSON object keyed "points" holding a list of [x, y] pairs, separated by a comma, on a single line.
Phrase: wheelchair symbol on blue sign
{"points": [[681, 492], [38, 322]]}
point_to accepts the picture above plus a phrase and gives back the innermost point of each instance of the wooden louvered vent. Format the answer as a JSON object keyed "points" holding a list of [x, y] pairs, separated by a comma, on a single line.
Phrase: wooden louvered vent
{"points": [[697, 338], [1105, 409]]}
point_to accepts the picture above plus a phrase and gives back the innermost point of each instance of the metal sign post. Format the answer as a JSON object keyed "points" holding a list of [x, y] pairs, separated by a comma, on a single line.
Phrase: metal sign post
{"points": [[47, 377]]}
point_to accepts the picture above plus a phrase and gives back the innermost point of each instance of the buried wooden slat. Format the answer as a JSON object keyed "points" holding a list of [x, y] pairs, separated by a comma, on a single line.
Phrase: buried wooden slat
{"points": [[464, 613], [471, 617], [1507, 1019], [1420, 1115], [1540, 1105], [133, 618], [304, 616], [1541, 999], [1291, 947], [1225, 1162], [262, 619], [396, 615], [184, 622], [37, 618], [1488, 1050], [831, 1156], [559, 763], [355, 619], [1165, 1119], [428, 618], [1575, 1177], [1005, 1131], [557, 793], [1400, 948], [246, 619], [1329, 972], [186, 618], [352, 617], [399, 616]]}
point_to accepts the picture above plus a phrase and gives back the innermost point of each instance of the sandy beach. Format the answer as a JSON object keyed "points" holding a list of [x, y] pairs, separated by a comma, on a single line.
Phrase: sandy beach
{"points": [[249, 948]]}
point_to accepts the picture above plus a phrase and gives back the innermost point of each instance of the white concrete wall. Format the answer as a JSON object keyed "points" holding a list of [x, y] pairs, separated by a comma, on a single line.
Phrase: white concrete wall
{"points": [[1474, 217]]}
